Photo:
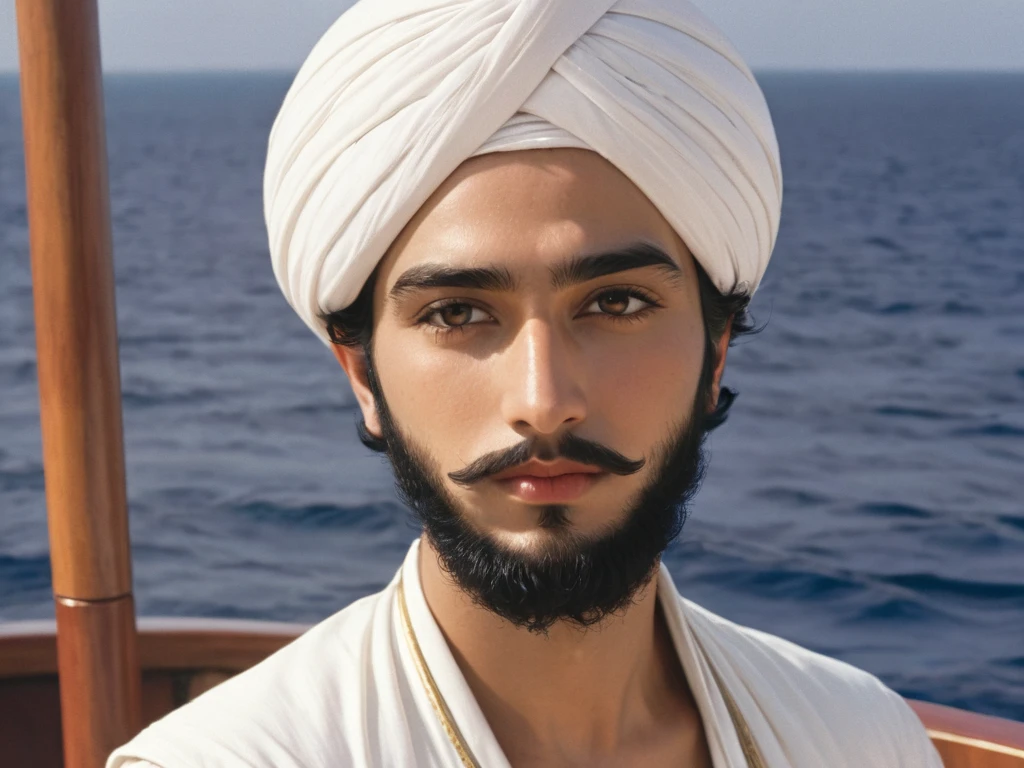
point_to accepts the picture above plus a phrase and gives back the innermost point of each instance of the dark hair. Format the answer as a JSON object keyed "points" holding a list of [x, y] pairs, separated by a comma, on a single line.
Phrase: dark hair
{"points": [[353, 327]]}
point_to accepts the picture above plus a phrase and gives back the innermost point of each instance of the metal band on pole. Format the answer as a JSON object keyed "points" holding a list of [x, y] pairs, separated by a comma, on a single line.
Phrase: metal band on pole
{"points": [[79, 380]]}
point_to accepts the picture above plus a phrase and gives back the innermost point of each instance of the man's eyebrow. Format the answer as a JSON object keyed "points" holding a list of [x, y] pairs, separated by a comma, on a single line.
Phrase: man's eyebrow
{"points": [[425, 276], [581, 269], [578, 269]]}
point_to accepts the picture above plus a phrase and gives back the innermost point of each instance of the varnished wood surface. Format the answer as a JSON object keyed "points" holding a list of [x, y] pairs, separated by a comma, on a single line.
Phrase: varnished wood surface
{"points": [[73, 291], [30, 720], [181, 658], [966, 740], [100, 691], [29, 649], [78, 374]]}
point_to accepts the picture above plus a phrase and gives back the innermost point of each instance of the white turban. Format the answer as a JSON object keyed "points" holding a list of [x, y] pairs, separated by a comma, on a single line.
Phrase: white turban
{"points": [[398, 93]]}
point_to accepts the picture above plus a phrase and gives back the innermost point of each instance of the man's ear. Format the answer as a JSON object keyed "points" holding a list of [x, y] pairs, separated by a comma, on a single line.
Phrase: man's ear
{"points": [[721, 350], [353, 361]]}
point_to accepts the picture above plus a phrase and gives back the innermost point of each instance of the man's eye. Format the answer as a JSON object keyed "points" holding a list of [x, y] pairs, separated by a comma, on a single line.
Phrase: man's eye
{"points": [[621, 302], [454, 315]]}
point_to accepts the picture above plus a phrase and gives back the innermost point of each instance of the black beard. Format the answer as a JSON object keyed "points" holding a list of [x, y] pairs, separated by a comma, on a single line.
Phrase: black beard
{"points": [[576, 579]]}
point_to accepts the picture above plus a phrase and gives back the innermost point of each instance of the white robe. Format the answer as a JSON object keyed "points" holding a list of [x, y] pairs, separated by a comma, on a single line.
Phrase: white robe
{"points": [[347, 693]]}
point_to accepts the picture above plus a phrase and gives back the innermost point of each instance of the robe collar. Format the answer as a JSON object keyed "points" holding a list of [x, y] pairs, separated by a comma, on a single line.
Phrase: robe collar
{"points": [[722, 737]]}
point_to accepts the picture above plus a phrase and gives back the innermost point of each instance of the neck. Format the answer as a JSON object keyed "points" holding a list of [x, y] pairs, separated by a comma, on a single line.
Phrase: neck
{"points": [[572, 694]]}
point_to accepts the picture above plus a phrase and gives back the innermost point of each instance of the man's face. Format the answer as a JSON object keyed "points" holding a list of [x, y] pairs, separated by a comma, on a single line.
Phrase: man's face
{"points": [[499, 341]]}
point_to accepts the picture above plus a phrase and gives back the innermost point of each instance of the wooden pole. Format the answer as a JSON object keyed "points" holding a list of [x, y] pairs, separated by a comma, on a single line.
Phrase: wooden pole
{"points": [[79, 380]]}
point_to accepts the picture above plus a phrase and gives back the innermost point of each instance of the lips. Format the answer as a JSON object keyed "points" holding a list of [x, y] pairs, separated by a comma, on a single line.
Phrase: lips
{"points": [[540, 469], [555, 483]]}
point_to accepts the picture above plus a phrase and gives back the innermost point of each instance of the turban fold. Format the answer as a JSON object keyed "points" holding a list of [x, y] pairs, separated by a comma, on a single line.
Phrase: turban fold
{"points": [[398, 93]]}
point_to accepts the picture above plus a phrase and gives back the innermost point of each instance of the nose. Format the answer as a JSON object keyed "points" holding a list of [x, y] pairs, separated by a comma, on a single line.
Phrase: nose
{"points": [[543, 386]]}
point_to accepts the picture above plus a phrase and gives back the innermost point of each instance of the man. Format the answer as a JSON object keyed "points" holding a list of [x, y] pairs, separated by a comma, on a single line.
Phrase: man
{"points": [[529, 230]]}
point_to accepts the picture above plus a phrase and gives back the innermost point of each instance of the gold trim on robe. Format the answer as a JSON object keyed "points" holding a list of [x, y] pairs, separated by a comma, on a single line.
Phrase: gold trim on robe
{"points": [[444, 715]]}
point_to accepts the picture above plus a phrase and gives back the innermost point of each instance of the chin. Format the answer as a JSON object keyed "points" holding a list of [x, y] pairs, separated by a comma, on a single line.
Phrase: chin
{"points": [[550, 531]]}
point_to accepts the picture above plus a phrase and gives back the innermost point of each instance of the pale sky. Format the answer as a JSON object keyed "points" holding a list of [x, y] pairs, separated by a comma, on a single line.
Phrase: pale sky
{"points": [[162, 35]]}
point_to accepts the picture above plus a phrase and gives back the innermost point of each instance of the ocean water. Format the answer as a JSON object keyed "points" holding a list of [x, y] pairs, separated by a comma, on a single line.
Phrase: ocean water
{"points": [[865, 499]]}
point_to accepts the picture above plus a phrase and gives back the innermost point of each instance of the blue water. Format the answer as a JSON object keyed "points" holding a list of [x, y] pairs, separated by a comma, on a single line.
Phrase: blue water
{"points": [[864, 500]]}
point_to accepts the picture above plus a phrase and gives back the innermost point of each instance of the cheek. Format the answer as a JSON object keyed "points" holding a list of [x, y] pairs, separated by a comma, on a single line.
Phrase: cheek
{"points": [[645, 383], [435, 395]]}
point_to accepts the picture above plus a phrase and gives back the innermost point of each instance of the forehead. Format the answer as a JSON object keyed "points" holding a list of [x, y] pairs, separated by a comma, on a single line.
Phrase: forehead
{"points": [[529, 209]]}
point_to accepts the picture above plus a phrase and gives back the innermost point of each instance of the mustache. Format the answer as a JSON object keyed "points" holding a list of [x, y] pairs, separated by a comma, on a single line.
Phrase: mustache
{"points": [[570, 446]]}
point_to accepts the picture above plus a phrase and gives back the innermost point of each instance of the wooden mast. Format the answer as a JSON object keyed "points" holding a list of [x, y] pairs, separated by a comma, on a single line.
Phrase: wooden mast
{"points": [[79, 380]]}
